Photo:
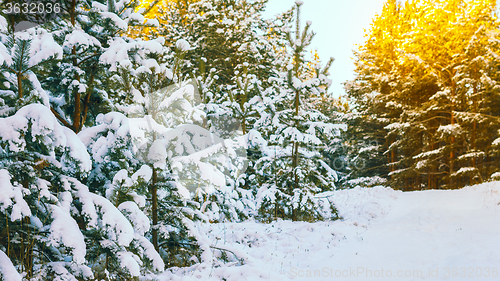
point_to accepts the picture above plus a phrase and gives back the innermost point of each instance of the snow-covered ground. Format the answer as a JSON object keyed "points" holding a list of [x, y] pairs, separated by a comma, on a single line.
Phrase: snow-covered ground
{"points": [[422, 235]]}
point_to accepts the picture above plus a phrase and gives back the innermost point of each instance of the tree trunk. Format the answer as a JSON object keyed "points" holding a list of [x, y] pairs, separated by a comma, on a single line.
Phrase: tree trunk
{"points": [[452, 138], [431, 148], [19, 85], [393, 159], [154, 208], [474, 126], [295, 153]]}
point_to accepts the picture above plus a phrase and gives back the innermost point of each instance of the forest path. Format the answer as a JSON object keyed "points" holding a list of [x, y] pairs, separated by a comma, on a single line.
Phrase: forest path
{"points": [[384, 235], [422, 235]]}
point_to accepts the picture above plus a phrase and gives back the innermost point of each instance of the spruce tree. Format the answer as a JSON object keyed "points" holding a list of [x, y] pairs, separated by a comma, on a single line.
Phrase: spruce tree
{"points": [[292, 127]]}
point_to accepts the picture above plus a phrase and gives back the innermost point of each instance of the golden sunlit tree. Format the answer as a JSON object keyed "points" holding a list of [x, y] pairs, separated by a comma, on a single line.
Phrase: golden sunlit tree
{"points": [[423, 72], [155, 14]]}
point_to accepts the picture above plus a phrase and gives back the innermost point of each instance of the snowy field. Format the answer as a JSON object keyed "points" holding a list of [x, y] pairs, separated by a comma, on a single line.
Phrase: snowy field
{"points": [[422, 235]]}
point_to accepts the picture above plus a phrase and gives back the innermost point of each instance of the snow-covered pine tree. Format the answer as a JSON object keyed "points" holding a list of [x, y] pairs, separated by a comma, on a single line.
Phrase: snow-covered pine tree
{"points": [[477, 79], [490, 108], [51, 221], [144, 89], [231, 50], [295, 170], [59, 216], [368, 150], [358, 154], [79, 86], [37, 157], [450, 155], [225, 35], [23, 55]]}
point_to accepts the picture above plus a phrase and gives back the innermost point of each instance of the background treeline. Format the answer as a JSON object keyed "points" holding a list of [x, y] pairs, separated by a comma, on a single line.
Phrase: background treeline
{"points": [[426, 95]]}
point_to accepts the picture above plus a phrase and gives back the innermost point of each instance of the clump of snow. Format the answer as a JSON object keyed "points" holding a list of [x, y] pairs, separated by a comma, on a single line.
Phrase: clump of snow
{"points": [[138, 219], [117, 226], [150, 253], [465, 170], [136, 17], [4, 55], [12, 196], [80, 38], [119, 48], [182, 45], [152, 22], [64, 231], [145, 172], [3, 24], [366, 181], [158, 154], [330, 172], [397, 126], [85, 196], [121, 178], [451, 129], [43, 47], [496, 142], [495, 176], [65, 271], [130, 261], [45, 128], [120, 23], [7, 269], [99, 6], [149, 66], [100, 143]]}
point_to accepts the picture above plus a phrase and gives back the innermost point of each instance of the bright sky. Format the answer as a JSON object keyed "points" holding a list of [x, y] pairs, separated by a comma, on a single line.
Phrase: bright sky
{"points": [[338, 25]]}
